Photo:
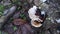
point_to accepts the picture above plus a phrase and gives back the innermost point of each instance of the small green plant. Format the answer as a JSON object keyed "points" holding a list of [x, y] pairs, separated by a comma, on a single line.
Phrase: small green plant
{"points": [[1, 9], [23, 16], [1, 13], [14, 28], [11, 19], [16, 2], [0, 32]]}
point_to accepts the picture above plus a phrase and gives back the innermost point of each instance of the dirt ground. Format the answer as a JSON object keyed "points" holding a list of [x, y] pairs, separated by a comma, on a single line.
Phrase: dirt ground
{"points": [[14, 18]]}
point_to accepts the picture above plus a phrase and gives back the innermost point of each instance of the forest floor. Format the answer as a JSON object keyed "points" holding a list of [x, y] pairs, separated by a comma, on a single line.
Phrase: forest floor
{"points": [[14, 14]]}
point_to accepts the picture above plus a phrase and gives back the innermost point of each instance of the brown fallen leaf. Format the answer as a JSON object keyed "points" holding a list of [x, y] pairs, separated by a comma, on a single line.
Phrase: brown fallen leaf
{"points": [[19, 21]]}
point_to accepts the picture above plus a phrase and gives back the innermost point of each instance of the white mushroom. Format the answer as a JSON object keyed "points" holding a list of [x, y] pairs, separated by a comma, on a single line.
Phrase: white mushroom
{"points": [[33, 17], [35, 24]]}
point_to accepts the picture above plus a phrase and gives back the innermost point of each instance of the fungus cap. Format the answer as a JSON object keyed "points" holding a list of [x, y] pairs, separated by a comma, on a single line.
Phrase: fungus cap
{"points": [[35, 24]]}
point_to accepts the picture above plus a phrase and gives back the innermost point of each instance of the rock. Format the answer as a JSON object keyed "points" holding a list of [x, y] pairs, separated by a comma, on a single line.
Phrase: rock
{"points": [[11, 11], [5, 17], [5, 12]]}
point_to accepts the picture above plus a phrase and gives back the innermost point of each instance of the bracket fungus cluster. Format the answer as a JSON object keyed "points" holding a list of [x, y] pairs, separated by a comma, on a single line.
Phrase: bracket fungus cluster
{"points": [[36, 16]]}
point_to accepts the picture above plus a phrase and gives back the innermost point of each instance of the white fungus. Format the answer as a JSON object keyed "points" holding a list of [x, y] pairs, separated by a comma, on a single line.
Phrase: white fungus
{"points": [[42, 0], [42, 12], [35, 25], [33, 17], [58, 20]]}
